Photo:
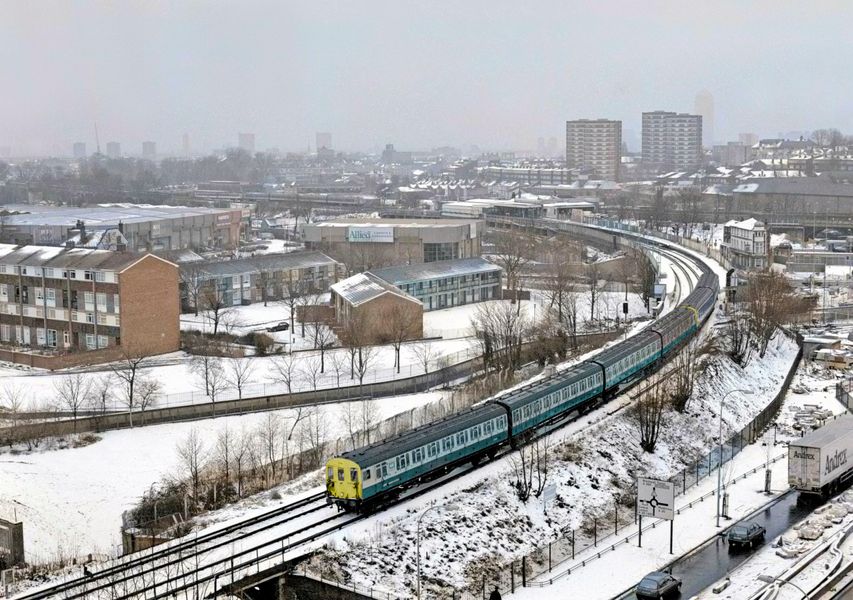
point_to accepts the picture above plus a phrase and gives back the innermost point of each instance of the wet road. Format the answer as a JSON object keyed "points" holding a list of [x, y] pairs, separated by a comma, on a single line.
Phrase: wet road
{"points": [[713, 561]]}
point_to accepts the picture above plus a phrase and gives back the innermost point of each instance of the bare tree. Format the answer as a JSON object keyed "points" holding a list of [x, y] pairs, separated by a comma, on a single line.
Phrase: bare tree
{"points": [[201, 365], [648, 414], [285, 371], [192, 279], [191, 456], [293, 290], [593, 277], [310, 368], [126, 372], [269, 433], [73, 391], [101, 393], [213, 299], [688, 364], [217, 382], [339, 365], [147, 393], [323, 338], [500, 330], [365, 358], [425, 353], [240, 371], [530, 468], [513, 251], [369, 416], [738, 335], [401, 324], [772, 304]]}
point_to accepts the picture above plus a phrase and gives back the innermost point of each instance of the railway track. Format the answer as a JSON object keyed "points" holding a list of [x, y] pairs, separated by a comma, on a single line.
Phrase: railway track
{"points": [[205, 564]]}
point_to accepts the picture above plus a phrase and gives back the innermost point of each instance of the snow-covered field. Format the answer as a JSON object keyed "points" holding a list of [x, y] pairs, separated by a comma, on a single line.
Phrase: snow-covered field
{"points": [[71, 500]]}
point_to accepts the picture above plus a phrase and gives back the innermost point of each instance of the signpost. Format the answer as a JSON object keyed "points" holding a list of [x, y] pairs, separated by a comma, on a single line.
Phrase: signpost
{"points": [[655, 499]]}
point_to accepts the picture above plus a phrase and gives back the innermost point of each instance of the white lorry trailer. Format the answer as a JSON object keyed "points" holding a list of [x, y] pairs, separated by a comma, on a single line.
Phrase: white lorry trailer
{"points": [[822, 461]]}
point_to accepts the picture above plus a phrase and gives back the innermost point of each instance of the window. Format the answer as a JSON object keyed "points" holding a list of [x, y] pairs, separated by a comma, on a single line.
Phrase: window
{"points": [[115, 301], [330, 473], [49, 272], [340, 474], [101, 301], [102, 341], [100, 276], [353, 474], [51, 295], [91, 341], [90, 317], [71, 274], [487, 428], [366, 474], [87, 275], [385, 469]]}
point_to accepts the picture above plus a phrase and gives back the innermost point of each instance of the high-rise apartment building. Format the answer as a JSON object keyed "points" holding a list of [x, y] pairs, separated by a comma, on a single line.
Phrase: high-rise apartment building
{"points": [[594, 145], [149, 150], [246, 141], [113, 150], [705, 107], [79, 150], [671, 141], [323, 140]]}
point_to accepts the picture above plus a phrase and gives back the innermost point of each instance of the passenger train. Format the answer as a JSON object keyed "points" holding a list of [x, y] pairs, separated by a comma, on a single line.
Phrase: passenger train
{"points": [[366, 477]]}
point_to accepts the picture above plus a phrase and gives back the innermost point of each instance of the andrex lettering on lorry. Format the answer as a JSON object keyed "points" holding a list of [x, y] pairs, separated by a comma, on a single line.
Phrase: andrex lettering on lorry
{"points": [[817, 462]]}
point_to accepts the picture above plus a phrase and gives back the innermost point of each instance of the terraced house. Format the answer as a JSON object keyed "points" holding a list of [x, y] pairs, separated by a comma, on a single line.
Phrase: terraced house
{"points": [[77, 300]]}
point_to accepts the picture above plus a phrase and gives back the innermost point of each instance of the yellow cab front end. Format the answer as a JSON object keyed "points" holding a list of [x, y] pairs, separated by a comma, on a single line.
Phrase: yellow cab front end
{"points": [[343, 482]]}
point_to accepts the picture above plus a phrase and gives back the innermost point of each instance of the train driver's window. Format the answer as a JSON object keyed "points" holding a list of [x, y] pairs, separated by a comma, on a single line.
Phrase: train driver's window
{"points": [[340, 474], [330, 473], [353, 474]]}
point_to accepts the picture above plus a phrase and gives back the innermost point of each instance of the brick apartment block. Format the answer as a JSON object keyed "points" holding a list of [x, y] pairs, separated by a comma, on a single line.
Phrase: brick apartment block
{"points": [[78, 300]]}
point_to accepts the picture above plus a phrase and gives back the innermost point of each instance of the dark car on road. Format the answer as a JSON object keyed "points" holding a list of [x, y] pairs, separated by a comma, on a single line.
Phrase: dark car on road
{"points": [[745, 534], [283, 326], [657, 585]]}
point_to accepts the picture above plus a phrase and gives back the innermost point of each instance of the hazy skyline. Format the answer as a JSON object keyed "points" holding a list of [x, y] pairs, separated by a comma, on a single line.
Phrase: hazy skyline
{"points": [[496, 74]]}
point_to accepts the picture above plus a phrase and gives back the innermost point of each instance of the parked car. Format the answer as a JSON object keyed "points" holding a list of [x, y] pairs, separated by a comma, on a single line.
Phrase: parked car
{"points": [[657, 585], [745, 534], [283, 326]]}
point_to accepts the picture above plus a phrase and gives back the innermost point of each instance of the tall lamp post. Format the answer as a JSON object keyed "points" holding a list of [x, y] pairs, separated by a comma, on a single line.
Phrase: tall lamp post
{"points": [[720, 459], [420, 518]]}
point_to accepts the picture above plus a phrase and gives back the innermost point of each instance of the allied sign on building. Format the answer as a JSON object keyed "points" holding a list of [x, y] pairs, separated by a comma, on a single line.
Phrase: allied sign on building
{"points": [[370, 234], [655, 498]]}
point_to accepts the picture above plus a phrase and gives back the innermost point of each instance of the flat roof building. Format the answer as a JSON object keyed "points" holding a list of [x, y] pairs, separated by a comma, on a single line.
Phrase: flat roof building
{"points": [[446, 283], [146, 227], [594, 145], [363, 244], [258, 279], [671, 141]]}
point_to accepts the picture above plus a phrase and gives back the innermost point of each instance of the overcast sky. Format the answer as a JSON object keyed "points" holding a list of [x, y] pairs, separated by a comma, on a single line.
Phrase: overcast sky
{"points": [[418, 74]]}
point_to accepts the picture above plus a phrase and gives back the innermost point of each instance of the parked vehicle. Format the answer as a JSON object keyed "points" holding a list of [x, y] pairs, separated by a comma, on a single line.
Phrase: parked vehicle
{"points": [[657, 585], [818, 463], [283, 326], [745, 534]]}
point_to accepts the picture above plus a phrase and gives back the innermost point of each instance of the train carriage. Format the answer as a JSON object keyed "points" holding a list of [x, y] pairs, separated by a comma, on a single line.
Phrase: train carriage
{"points": [[358, 477], [623, 360], [532, 405]]}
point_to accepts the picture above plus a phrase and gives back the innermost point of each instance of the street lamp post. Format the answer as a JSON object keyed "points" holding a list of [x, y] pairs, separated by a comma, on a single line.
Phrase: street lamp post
{"points": [[420, 518], [720, 459]]}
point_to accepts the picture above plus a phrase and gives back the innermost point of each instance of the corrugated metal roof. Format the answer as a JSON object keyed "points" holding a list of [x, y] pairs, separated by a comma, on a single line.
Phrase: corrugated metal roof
{"points": [[103, 214], [363, 287], [435, 270]]}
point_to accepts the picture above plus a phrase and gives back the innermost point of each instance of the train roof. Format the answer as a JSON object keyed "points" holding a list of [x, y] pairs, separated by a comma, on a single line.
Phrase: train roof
{"points": [[615, 353], [415, 438], [530, 392]]}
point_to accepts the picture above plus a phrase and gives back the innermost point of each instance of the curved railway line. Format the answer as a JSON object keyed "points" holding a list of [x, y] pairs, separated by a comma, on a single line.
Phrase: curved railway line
{"points": [[216, 559]]}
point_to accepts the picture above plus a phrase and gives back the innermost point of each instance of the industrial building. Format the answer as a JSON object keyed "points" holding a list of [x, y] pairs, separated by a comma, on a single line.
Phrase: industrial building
{"points": [[363, 244], [446, 283], [145, 227], [71, 300]]}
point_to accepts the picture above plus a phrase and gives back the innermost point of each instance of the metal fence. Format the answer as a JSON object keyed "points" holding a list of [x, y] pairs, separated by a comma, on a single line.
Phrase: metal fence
{"points": [[603, 532]]}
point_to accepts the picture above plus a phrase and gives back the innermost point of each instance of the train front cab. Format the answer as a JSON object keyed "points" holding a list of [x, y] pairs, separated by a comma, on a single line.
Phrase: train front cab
{"points": [[343, 482]]}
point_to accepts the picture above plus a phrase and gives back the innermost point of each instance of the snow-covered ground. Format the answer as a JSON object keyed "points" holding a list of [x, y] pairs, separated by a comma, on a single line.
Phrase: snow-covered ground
{"points": [[600, 457], [71, 500]]}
